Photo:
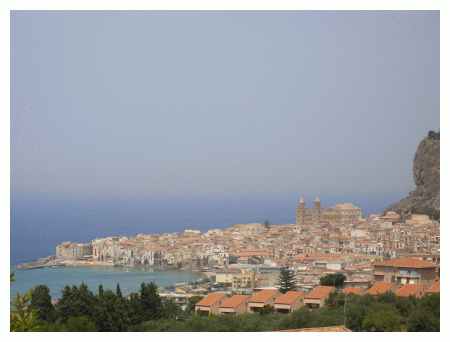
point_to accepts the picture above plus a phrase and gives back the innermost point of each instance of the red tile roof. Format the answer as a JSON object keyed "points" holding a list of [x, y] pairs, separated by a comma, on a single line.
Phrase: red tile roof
{"points": [[406, 263], [320, 292], [353, 290], [263, 296], [253, 253], [407, 290], [211, 299], [380, 287], [234, 301], [435, 287], [289, 297]]}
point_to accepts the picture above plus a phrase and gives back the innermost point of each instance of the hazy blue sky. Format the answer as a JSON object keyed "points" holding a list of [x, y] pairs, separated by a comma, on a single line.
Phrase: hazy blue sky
{"points": [[217, 111]]}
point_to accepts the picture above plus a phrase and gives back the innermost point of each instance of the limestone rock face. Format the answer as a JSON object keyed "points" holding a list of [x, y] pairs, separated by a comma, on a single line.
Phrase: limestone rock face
{"points": [[425, 199]]}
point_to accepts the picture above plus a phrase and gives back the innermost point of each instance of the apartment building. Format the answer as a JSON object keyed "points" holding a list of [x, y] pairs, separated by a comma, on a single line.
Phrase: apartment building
{"points": [[405, 271]]}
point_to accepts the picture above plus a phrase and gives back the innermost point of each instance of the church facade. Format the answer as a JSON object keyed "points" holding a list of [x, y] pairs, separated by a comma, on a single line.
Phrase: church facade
{"points": [[343, 213]]}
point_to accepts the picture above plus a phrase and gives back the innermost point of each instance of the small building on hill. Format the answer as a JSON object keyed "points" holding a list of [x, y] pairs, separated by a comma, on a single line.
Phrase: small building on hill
{"points": [[234, 305], [261, 299], [210, 304], [317, 297], [289, 301]]}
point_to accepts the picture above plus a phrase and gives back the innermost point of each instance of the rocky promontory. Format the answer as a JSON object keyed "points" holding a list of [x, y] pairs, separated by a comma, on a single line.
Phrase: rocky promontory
{"points": [[425, 199]]}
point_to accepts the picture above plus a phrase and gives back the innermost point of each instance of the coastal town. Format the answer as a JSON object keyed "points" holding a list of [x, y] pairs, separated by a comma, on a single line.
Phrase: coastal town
{"points": [[241, 264]]}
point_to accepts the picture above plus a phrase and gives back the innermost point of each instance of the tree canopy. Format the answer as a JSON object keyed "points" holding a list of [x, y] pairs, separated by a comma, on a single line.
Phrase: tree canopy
{"points": [[287, 280], [335, 279]]}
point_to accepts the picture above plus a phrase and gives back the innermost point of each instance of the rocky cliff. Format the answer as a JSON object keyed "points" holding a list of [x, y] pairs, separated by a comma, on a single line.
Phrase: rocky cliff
{"points": [[425, 199]]}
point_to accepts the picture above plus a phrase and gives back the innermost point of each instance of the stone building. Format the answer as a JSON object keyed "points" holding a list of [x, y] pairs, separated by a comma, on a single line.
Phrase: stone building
{"points": [[71, 250], [344, 213]]}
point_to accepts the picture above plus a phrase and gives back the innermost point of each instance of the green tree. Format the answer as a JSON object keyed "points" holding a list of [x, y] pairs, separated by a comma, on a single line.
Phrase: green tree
{"points": [[111, 313], [336, 299], [100, 290], [266, 310], [79, 324], [75, 302], [335, 279], [190, 307], [382, 317], [171, 310], [22, 316], [423, 320], [41, 302], [354, 315], [118, 291], [431, 303], [426, 314], [150, 301], [135, 309], [286, 280]]}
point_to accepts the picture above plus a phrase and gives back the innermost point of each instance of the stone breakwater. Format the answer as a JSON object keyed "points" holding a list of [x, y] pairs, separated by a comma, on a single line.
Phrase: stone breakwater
{"points": [[53, 261]]}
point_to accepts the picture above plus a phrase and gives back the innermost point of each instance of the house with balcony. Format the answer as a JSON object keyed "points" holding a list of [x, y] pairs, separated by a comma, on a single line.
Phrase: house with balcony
{"points": [[234, 305], [262, 298], [289, 301], [317, 297], [210, 304], [405, 271]]}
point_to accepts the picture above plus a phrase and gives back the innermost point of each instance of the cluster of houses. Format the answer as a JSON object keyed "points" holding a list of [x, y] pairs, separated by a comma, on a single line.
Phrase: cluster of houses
{"points": [[404, 277]]}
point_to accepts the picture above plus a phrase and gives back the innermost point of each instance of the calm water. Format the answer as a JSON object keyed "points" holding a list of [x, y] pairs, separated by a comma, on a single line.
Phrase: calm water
{"points": [[129, 279]]}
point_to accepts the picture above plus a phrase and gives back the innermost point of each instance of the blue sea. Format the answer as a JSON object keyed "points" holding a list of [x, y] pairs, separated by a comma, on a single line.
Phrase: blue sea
{"points": [[128, 278]]}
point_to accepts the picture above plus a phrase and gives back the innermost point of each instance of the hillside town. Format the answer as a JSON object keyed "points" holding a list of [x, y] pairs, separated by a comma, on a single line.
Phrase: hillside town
{"points": [[385, 251]]}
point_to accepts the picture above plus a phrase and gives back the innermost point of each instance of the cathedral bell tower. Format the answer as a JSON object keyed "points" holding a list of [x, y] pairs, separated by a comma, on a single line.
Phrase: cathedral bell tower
{"points": [[317, 209], [300, 217]]}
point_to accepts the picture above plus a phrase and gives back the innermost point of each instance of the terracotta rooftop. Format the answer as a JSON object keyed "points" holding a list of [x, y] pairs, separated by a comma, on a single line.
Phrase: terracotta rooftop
{"points": [[320, 292], [335, 328], [353, 290], [289, 297], [234, 301], [253, 253], [435, 287], [312, 257], [263, 296], [407, 290], [380, 287], [211, 299], [406, 263]]}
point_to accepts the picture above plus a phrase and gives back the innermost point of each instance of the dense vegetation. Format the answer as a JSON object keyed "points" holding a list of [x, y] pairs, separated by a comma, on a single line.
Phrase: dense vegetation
{"points": [[334, 279], [79, 309]]}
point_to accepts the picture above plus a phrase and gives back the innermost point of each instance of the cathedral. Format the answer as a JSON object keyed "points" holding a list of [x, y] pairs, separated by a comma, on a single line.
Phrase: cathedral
{"points": [[343, 213]]}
